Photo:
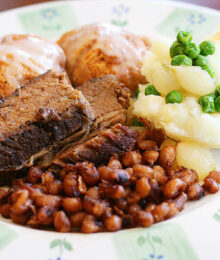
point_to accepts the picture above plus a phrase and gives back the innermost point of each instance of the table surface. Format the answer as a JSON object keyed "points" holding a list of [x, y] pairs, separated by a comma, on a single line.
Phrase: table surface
{"points": [[9, 4]]}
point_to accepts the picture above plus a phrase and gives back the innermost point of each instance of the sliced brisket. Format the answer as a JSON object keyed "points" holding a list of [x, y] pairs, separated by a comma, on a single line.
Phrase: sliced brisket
{"points": [[46, 112], [108, 99], [114, 141]]}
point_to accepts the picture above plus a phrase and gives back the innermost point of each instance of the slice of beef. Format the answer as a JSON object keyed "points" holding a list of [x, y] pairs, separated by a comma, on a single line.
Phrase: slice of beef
{"points": [[114, 141], [108, 99], [45, 113]]}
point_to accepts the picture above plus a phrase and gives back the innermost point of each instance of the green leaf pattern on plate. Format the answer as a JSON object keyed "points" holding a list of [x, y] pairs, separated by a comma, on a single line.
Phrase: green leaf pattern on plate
{"points": [[49, 22], [67, 245], [6, 236], [189, 20], [61, 244], [216, 215], [162, 241], [120, 15], [55, 243]]}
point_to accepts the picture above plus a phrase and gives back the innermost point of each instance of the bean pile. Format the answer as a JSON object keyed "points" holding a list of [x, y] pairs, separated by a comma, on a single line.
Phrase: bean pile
{"points": [[140, 188]]}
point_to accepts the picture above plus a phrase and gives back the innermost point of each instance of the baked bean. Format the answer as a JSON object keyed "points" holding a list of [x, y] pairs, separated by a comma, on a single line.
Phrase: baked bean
{"points": [[3, 195], [35, 193], [114, 163], [34, 175], [133, 208], [143, 135], [70, 168], [150, 157], [45, 215], [134, 197], [77, 219], [48, 200], [159, 174], [21, 203], [150, 207], [128, 221], [167, 156], [113, 223], [215, 175], [137, 188], [210, 185], [131, 158], [33, 222], [173, 173], [145, 219], [95, 207], [155, 189], [195, 175], [62, 174], [19, 219], [114, 175], [143, 171], [89, 172], [61, 222], [72, 205], [113, 191], [90, 224], [117, 211], [148, 145], [161, 212], [70, 185], [5, 210], [143, 187], [121, 204], [93, 193], [180, 201], [39, 187], [173, 187], [104, 172], [81, 185], [186, 175], [195, 191], [129, 171], [54, 187], [173, 209], [157, 135], [109, 211], [47, 177]]}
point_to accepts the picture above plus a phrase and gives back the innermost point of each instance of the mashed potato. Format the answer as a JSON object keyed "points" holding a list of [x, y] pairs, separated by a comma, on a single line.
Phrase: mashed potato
{"points": [[184, 121]]}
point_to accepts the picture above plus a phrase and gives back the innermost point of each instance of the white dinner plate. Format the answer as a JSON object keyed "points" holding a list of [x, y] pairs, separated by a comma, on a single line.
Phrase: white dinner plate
{"points": [[192, 235]]}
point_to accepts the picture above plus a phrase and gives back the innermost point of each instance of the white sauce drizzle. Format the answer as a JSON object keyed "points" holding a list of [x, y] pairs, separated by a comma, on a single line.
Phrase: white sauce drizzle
{"points": [[24, 56]]}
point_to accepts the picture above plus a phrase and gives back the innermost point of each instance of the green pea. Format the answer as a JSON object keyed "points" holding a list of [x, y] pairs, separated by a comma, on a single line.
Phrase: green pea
{"points": [[181, 60], [174, 97], [184, 37], [207, 103], [137, 92], [217, 90], [213, 95], [151, 90], [217, 104], [176, 49], [192, 50], [200, 61], [135, 122], [210, 70], [207, 48]]}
